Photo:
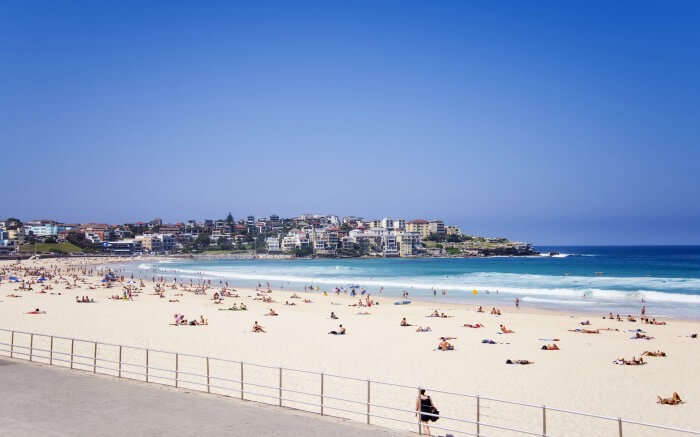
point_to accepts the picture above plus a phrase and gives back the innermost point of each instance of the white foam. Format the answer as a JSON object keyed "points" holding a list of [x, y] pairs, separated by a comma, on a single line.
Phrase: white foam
{"points": [[570, 288]]}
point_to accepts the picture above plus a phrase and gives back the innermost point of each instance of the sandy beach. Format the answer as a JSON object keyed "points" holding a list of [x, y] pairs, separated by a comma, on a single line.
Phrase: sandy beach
{"points": [[580, 376]]}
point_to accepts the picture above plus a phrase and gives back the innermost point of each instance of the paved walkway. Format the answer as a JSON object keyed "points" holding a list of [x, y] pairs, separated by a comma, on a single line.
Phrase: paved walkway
{"points": [[48, 401]]}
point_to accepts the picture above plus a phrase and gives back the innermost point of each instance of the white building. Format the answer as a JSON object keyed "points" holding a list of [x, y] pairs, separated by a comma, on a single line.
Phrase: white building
{"points": [[273, 244]]}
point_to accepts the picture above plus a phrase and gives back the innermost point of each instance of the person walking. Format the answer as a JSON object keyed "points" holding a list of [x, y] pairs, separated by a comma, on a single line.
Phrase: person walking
{"points": [[426, 409]]}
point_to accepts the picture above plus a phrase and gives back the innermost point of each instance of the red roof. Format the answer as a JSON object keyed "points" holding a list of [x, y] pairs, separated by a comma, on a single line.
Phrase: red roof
{"points": [[418, 222]]}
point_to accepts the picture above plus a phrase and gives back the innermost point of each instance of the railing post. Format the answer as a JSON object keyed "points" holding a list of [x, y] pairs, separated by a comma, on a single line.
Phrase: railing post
{"points": [[322, 394], [31, 345], [12, 343], [368, 399], [241, 379], [177, 368], [619, 426], [420, 432], [72, 344], [120, 361], [208, 387], [51, 352], [280, 388], [146, 365], [544, 420], [94, 358], [478, 414]]}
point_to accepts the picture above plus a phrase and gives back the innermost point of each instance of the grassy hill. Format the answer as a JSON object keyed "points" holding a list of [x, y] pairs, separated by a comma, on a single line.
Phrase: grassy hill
{"points": [[51, 247]]}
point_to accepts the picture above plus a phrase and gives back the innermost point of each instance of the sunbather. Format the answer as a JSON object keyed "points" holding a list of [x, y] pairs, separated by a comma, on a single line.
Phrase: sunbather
{"points": [[404, 322], [654, 354], [586, 331], [474, 325], [444, 345], [505, 330], [673, 400], [519, 362], [340, 331], [550, 347], [257, 327]]}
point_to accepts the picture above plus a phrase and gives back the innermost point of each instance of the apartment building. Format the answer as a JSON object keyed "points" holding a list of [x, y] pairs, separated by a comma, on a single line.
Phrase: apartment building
{"points": [[436, 227], [420, 226], [453, 230], [409, 243], [273, 244]]}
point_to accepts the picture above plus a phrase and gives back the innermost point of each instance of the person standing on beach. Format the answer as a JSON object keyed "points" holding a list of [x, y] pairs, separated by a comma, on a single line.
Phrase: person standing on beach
{"points": [[517, 302]]}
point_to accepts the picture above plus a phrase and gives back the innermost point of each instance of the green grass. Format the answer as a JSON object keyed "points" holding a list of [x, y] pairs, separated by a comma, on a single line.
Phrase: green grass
{"points": [[51, 247]]}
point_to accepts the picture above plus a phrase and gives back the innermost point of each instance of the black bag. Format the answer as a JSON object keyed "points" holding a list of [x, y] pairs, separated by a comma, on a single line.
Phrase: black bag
{"points": [[436, 413]]}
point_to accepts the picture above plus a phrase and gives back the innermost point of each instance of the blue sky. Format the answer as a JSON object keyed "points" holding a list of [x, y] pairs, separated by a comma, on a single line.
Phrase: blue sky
{"points": [[551, 122]]}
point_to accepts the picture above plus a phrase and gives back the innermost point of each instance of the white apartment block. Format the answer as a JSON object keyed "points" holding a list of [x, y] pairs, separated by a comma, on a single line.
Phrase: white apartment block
{"points": [[273, 244]]}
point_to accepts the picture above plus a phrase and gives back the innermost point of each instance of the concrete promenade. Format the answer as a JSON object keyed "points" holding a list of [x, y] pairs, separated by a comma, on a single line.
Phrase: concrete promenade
{"points": [[37, 400]]}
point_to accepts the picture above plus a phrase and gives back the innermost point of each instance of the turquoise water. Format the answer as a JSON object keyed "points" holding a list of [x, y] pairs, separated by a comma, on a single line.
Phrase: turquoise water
{"points": [[601, 279]]}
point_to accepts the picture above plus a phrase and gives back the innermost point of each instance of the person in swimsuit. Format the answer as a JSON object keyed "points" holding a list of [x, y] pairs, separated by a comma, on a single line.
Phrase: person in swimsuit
{"points": [[340, 331], [673, 400]]}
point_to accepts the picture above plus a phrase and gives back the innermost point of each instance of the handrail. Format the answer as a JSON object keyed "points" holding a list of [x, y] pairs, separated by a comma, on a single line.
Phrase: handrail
{"points": [[175, 378]]}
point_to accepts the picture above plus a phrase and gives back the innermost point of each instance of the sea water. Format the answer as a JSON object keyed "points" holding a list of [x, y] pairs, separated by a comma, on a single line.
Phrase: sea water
{"points": [[602, 279]]}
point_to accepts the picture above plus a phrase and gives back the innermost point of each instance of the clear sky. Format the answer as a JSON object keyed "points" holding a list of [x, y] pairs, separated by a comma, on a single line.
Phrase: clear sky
{"points": [[551, 122]]}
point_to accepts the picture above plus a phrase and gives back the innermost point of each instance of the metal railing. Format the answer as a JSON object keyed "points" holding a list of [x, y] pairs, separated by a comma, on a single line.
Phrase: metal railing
{"points": [[374, 402]]}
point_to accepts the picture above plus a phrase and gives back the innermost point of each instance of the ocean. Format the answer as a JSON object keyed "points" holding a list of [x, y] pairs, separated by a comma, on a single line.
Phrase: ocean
{"points": [[597, 279]]}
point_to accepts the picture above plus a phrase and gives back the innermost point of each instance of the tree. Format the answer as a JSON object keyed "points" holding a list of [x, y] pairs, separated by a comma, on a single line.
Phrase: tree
{"points": [[13, 223], [202, 241], [454, 238], [305, 251], [224, 244]]}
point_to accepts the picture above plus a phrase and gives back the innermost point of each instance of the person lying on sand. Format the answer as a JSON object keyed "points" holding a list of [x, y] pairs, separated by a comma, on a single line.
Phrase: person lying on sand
{"points": [[272, 313], [474, 325], [36, 311], [656, 322], [550, 347], [333, 316], [654, 354], [340, 331], [519, 362], [173, 300], [422, 329], [404, 322], [488, 341], [673, 400], [633, 362], [586, 322], [630, 318], [505, 330], [586, 331], [286, 302], [257, 327], [640, 336], [444, 345]]}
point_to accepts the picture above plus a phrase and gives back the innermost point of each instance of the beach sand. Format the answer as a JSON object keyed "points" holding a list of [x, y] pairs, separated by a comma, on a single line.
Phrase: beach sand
{"points": [[580, 376]]}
